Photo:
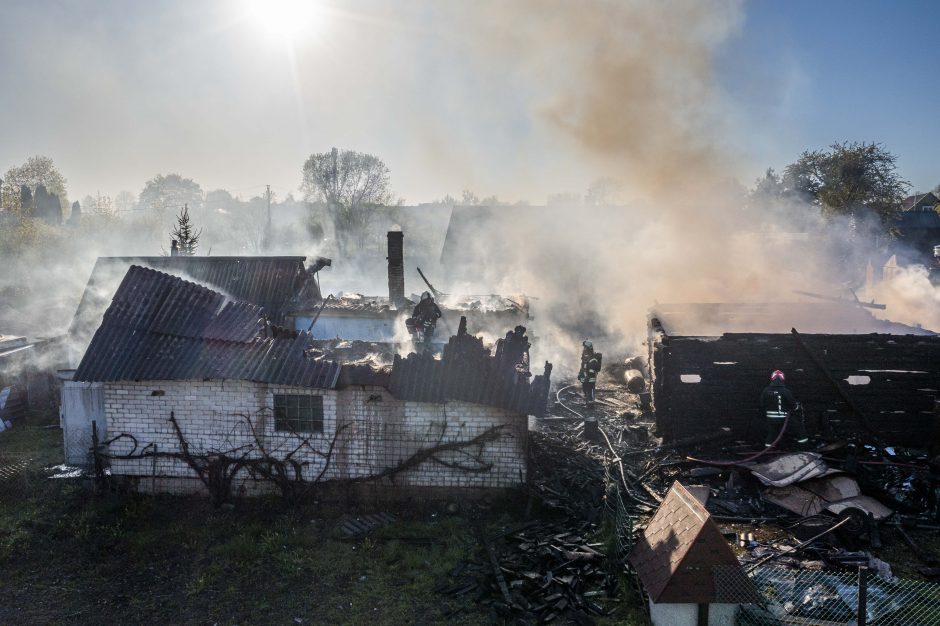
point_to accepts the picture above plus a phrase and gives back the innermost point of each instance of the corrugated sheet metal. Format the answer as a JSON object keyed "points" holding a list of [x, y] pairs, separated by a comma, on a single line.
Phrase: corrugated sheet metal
{"points": [[268, 282], [160, 327]]}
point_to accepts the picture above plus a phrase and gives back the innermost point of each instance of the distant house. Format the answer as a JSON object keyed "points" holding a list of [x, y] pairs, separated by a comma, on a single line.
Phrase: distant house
{"points": [[920, 202], [174, 361], [918, 225]]}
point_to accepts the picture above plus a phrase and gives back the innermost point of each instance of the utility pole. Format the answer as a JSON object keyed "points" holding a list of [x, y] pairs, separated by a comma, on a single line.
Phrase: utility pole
{"points": [[267, 232]]}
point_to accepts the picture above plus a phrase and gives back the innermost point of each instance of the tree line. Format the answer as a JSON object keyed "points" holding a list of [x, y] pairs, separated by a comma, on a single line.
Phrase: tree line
{"points": [[346, 189]]}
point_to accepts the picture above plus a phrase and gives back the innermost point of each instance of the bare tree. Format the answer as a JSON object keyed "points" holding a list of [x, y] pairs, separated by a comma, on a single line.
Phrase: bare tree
{"points": [[352, 185]]}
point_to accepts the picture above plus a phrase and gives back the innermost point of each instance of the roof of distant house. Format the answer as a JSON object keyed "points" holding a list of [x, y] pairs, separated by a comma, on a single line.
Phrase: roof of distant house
{"points": [[926, 199], [161, 327], [275, 283], [682, 552]]}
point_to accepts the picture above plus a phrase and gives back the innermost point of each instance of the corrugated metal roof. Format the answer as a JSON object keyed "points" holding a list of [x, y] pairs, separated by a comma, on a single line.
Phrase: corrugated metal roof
{"points": [[269, 282], [160, 327]]}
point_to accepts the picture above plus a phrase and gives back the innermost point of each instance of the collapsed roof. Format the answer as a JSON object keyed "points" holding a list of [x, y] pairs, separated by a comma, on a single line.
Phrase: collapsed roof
{"points": [[700, 319], [277, 284], [161, 327]]}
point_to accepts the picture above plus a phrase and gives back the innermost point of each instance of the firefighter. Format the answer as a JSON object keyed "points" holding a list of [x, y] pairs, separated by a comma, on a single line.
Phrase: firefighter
{"points": [[587, 351], [424, 318], [777, 402], [590, 366]]}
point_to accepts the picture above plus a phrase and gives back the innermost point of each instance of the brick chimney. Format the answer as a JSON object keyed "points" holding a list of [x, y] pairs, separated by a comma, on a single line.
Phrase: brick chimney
{"points": [[396, 267]]}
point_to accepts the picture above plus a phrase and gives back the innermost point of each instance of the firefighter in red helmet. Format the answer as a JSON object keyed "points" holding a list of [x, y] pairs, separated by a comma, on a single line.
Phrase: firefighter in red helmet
{"points": [[777, 402]]}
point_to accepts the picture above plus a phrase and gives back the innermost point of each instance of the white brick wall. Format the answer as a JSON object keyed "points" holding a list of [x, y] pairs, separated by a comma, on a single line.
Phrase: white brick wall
{"points": [[380, 431]]}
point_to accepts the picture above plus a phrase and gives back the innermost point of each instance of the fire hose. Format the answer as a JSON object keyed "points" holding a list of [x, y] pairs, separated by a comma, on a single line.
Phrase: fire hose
{"points": [[623, 476], [757, 455]]}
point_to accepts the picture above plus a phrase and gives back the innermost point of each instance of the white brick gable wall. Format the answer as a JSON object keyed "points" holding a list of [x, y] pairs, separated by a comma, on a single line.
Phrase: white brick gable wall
{"points": [[381, 432]]}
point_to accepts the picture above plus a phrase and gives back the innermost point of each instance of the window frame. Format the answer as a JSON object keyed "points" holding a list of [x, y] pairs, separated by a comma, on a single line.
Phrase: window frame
{"points": [[299, 413]]}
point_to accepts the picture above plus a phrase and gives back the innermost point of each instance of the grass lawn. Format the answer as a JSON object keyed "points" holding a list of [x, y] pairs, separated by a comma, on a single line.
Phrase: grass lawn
{"points": [[71, 556], [68, 555]]}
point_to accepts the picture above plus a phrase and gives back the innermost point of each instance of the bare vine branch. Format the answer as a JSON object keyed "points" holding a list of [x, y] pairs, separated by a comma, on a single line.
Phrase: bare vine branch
{"points": [[217, 469]]}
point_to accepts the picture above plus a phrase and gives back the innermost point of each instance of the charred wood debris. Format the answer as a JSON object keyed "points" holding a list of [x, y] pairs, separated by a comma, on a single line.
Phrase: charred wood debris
{"points": [[597, 476]]}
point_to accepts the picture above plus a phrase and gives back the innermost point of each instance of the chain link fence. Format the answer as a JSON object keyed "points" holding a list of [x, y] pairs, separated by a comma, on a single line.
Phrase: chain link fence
{"points": [[620, 521], [771, 595], [801, 596], [17, 475]]}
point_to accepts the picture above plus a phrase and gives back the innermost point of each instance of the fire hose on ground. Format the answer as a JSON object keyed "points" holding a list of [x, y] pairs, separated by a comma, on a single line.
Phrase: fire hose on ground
{"points": [[757, 455], [623, 476]]}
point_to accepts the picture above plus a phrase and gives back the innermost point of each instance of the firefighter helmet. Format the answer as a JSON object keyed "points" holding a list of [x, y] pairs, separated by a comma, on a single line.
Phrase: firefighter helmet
{"points": [[777, 374], [587, 344], [426, 295]]}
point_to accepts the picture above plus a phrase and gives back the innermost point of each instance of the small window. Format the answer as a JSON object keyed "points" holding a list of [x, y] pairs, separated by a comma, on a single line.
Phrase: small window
{"points": [[298, 413], [690, 378]]}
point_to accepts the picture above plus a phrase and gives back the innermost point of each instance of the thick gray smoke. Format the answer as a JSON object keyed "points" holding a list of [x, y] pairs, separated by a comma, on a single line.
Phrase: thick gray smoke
{"points": [[627, 90], [632, 87]]}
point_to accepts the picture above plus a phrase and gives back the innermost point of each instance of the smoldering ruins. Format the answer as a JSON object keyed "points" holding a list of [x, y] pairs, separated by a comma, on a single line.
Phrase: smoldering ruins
{"points": [[638, 390]]}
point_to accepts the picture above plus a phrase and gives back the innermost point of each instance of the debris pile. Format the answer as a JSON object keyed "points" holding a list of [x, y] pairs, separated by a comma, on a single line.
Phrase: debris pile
{"points": [[540, 571], [848, 502]]}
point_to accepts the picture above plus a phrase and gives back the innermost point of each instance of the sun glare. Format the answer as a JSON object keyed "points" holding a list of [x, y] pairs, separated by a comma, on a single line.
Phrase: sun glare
{"points": [[289, 19]]}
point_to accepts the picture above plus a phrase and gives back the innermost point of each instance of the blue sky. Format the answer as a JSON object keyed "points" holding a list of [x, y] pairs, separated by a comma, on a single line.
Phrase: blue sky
{"points": [[117, 92], [840, 70]]}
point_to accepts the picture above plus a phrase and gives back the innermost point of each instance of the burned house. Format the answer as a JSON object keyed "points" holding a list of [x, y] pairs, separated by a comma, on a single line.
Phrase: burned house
{"points": [[709, 363], [287, 288], [182, 375], [357, 317]]}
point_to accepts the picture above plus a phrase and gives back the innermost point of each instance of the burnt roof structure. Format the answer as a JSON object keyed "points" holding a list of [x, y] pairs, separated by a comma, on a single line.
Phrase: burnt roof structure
{"points": [[704, 379], [161, 327], [713, 319], [277, 284], [468, 372], [680, 552]]}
